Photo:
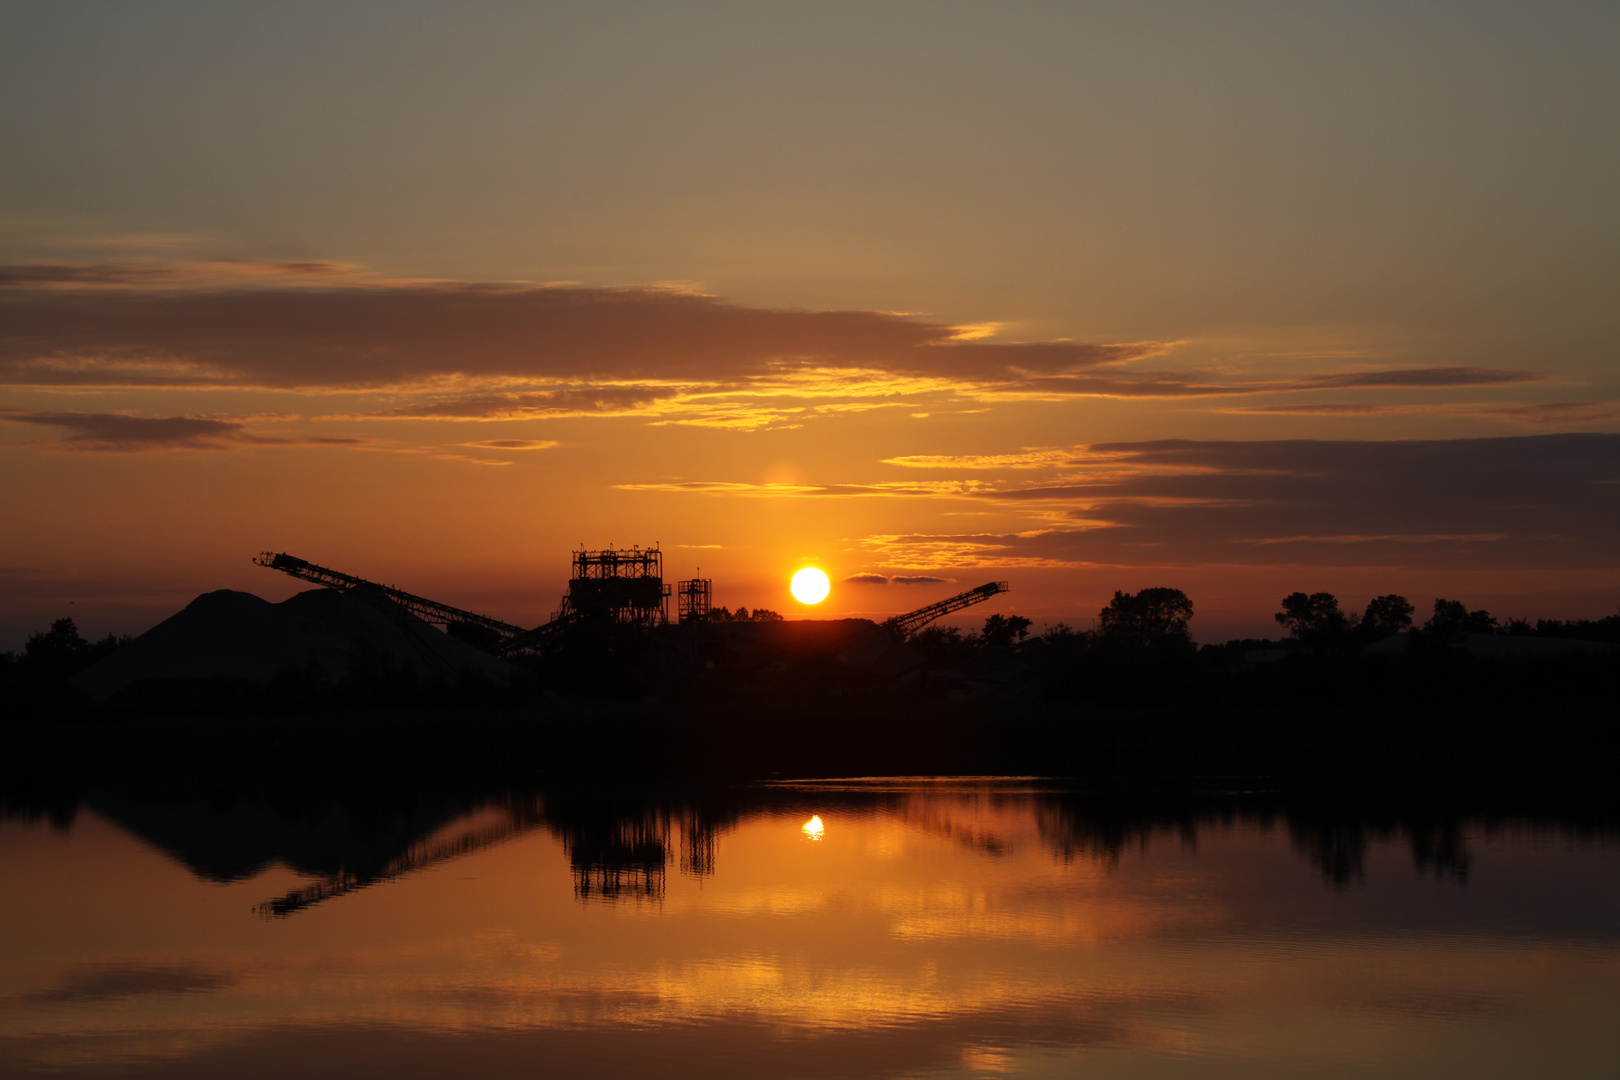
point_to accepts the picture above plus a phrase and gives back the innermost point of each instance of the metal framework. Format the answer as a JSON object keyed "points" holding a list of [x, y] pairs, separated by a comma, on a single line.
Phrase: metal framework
{"points": [[427, 610], [694, 599], [913, 621], [618, 585], [529, 639]]}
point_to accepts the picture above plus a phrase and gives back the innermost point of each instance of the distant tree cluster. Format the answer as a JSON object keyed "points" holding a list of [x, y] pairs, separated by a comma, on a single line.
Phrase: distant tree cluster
{"points": [[62, 652], [742, 614], [1149, 631], [1315, 620], [1152, 618]]}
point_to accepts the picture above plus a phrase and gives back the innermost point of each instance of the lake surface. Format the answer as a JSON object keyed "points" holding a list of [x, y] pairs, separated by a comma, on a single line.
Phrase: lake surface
{"points": [[945, 928]]}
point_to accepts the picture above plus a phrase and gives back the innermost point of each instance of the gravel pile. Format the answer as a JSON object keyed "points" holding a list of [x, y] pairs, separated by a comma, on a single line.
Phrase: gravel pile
{"points": [[236, 635]]}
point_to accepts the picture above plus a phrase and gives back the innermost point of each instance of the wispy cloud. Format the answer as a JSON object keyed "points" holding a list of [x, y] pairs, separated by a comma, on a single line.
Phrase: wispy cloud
{"points": [[920, 488], [1029, 458], [213, 274], [608, 400], [1556, 412], [1423, 377], [900, 579], [512, 444], [122, 433], [1542, 414]]}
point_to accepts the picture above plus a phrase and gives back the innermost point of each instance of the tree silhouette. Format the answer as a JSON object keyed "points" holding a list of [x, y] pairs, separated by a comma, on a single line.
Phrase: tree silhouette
{"points": [[742, 614], [1003, 630], [1452, 619], [1387, 615], [63, 652], [1313, 619], [1151, 617]]}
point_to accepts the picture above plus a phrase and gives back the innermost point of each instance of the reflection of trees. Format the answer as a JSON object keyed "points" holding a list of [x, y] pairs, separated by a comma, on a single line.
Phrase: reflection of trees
{"points": [[933, 816], [1334, 836], [620, 842], [1100, 827], [33, 805]]}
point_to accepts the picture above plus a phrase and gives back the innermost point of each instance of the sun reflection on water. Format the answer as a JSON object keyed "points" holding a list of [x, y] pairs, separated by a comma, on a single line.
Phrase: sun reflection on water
{"points": [[813, 828]]}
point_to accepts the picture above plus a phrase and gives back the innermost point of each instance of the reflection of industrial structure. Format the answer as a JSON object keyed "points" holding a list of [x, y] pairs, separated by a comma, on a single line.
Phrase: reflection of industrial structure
{"points": [[625, 856], [624, 860], [418, 855]]}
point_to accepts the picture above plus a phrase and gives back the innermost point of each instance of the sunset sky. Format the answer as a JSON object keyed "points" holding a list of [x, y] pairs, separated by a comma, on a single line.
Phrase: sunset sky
{"points": [[1239, 298]]}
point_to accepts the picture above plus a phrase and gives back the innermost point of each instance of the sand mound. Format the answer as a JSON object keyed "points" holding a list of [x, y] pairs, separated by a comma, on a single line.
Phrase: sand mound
{"points": [[236, 635]]}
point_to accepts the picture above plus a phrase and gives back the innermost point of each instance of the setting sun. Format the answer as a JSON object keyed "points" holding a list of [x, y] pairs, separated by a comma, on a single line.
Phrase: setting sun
{"points": [[810, 586]]}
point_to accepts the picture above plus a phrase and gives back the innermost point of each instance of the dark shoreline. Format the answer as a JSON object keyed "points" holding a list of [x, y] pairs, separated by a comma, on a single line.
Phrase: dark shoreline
{"points": [[653, 744]]}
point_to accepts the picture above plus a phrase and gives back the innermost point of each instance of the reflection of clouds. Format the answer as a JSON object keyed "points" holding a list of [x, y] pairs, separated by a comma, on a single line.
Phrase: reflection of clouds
{"points": [[1029, 927], [112, 980]]}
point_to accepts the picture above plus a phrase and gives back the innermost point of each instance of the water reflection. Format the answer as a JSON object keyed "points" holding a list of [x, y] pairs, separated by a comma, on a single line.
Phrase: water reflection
{"points": [[875, 928], [620, 844]]}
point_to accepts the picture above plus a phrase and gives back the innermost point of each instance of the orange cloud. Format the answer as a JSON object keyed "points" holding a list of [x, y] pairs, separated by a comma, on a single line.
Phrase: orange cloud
{"points": [[69, 324], [1528, 501]]}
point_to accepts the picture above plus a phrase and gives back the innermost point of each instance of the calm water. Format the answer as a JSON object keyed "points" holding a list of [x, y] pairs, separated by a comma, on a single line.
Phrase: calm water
{"points": [[883, 928]]}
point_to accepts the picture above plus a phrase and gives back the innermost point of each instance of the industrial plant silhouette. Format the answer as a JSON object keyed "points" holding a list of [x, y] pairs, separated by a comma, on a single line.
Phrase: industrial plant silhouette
{"points": [[388, 679]]}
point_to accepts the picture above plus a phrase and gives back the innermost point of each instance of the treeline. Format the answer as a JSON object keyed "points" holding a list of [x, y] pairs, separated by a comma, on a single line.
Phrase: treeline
{"points": [[60, 652], [1140, 653], [1160, 618], [1315, 619]]}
